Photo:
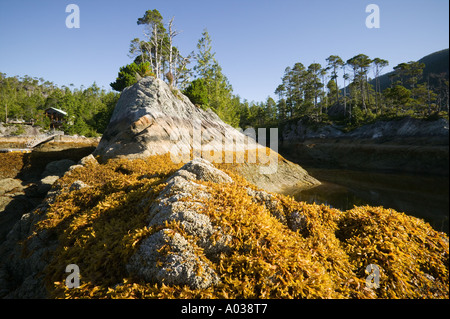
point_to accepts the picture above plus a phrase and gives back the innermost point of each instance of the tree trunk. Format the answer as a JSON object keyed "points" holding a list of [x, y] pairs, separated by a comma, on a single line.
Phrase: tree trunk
{"points": [[345, 92], [345, 99], [376, 90], [380, 98], [155, 46], [361, 85], [172, 34], [367, 91], [376, 97], [160, 63], [447, 96], [324, 96], [151, 59], [350, 113], [337, 91], [429, 93]]}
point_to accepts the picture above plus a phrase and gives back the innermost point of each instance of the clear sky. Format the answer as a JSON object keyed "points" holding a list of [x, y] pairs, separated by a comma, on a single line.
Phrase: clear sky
{"points": [[254, 40]]}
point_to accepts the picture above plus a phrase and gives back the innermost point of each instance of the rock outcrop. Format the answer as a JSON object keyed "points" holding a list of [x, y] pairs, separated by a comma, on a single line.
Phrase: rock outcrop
{"points": [[407, 145], [168, 257], [151, 119], [178, 202], [16, 198], [53, 171], [436, 132]]}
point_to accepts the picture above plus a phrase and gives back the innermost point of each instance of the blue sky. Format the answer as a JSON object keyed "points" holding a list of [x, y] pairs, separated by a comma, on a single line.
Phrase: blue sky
{"points": [[254, 40]]}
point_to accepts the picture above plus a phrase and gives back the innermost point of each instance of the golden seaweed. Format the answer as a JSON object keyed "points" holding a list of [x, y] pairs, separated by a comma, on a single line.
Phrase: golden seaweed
{"points": [[101, 226]]}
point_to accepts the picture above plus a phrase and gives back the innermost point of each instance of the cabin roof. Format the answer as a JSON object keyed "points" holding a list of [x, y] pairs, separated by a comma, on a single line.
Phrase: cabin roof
{"points": [[55, 110]]}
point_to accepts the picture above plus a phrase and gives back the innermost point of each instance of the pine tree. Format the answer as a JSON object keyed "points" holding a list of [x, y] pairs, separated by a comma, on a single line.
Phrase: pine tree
{"points": [[379, 64], [219, 93], [130, 74], [335, 62], [360, 64]]}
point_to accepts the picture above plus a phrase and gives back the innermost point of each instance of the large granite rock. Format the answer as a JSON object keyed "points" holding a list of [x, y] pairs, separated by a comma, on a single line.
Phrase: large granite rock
{"points": [[150, 119]]}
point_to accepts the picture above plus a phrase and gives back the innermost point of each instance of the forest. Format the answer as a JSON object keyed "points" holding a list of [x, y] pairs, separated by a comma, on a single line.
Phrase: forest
{"points": [[24, 99], [308, 92]]}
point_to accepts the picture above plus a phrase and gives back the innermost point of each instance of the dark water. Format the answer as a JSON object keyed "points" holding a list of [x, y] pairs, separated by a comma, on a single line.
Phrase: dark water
{"points": [[425, 197]]}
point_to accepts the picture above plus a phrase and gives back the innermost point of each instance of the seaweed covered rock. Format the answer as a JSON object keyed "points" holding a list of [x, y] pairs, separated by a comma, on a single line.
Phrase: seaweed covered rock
{"points": [[166, 256], [53, 171], [178, 264], [154, 229], [27, 250], [22, 265]]}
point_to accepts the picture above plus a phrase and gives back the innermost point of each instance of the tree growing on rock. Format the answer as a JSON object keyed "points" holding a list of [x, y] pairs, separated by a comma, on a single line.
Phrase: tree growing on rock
{"points": [[156, 36], [157, 48], [130, 74]]}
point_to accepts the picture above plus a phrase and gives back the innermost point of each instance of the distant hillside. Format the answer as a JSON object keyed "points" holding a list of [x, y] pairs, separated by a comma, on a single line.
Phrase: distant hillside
{"points": [[435, 63]]}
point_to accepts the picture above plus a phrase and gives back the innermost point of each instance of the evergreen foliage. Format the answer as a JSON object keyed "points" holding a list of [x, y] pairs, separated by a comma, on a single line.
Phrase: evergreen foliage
{"points": [[130, 74], [25, 99], [310, 92], [211, 88], [305, 93]]}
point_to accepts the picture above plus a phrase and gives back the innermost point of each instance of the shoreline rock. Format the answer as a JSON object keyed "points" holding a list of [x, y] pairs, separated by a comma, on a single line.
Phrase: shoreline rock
{"points": [[406, 145]]}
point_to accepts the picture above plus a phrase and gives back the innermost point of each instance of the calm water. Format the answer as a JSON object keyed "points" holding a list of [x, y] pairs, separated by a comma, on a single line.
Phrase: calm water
{"points": [[425, 197]]}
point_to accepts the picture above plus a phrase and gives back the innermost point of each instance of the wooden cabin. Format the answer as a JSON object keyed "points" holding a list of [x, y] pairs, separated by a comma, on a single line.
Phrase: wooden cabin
{"points": [[56, 116]]}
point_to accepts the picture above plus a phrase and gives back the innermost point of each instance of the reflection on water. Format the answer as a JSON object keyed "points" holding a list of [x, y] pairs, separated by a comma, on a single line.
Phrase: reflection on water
{"points": [[421, 196]]}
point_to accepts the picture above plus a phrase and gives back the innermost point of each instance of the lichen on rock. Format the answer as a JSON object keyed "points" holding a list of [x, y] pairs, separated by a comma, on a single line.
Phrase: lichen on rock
{"points": [[167, 257], [179, 202]]}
